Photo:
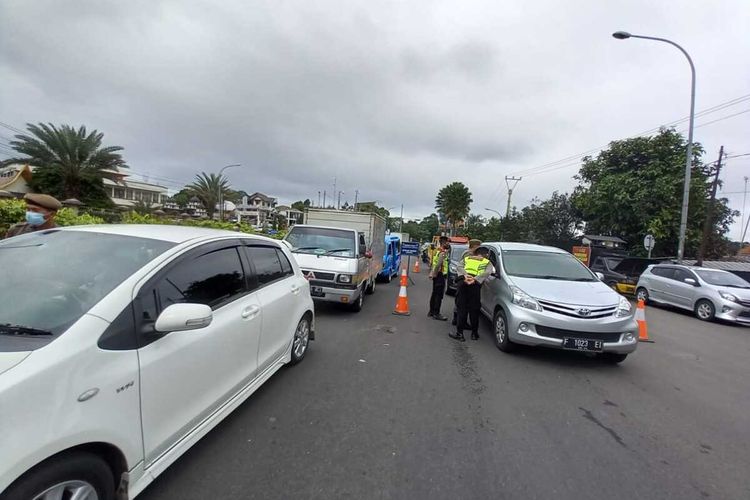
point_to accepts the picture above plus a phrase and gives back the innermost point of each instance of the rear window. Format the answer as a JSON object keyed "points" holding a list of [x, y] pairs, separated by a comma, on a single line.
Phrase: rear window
{"points": [[664, 272]]}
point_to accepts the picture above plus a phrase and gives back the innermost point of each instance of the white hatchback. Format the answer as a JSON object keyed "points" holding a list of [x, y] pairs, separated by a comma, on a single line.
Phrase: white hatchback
{"points": [[121, 346]]}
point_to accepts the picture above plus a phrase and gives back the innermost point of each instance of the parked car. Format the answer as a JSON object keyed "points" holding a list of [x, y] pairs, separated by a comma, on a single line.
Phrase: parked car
{"points": [[544, 296], [709, 293], [457, 250], [620, 272], [122, 345]]}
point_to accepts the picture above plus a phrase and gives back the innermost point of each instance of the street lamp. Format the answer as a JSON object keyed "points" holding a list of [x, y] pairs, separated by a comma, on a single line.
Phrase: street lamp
{"points": [[499, 216], [221, 191], [624, 35]]}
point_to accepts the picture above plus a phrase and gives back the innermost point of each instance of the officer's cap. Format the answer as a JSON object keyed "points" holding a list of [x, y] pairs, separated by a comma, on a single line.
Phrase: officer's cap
{"points": [[43, 200]]}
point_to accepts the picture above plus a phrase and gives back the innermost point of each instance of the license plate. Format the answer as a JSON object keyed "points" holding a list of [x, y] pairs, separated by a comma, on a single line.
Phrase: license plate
{"points": [[588, 345], [316, 291]]}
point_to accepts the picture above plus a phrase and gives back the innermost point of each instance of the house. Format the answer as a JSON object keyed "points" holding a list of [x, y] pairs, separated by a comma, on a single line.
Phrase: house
{"points": [[291, 215], [126, 193], [256, 209], [14, 178]]}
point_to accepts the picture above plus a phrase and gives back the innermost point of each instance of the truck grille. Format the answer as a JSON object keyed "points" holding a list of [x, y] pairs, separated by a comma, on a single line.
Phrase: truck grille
{"points": [[581, 312], [559, 333], [319, 275]]}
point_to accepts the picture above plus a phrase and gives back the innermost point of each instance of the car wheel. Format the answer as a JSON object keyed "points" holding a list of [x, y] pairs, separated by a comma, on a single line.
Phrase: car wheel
{"points": [[500, 329], [389, 278], [642, 294], [613, 357], [371, 287], [705, 310], [301, 340], [76, 475], [356, 306]]}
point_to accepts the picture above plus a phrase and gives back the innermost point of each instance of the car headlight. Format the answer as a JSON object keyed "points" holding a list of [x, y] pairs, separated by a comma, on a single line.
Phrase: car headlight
{"points": [[345, 278], [728, 296], [623, 308], [525, 300]]}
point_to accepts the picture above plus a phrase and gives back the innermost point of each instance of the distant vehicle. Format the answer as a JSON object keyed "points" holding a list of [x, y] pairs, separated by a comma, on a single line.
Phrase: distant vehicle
{"points": [[709, 293], [456, 251], [102, 382], [620, 272], [340, 253], [391, 258], [544, 296]]}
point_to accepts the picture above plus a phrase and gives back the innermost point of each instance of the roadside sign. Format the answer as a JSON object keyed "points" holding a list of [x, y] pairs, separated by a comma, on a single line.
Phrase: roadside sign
{"points": [[648, 242], [410, 248], [582, 254]]}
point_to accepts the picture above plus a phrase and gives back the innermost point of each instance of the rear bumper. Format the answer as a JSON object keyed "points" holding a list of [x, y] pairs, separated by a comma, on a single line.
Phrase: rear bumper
{"points": [[619, 335]]}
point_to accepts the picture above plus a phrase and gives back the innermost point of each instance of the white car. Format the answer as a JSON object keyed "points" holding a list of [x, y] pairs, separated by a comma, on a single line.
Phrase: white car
{"points": [[121, 346]]}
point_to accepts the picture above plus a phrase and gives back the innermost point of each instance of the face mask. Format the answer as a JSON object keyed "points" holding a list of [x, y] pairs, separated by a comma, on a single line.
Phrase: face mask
{"points": [[35, 218]]}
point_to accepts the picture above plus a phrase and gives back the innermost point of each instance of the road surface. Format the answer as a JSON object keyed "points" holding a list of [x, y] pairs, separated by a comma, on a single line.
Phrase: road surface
{"points": [[389, 407]]}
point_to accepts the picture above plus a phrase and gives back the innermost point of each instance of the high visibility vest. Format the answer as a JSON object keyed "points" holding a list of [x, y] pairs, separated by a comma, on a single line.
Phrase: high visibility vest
{"points": [[474, 266], [435, 258]]}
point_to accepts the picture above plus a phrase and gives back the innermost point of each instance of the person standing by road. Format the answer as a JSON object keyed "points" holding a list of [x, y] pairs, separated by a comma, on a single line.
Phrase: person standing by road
{"points": [[460, 271], [40, 214], [477, 268], [438, 275]]}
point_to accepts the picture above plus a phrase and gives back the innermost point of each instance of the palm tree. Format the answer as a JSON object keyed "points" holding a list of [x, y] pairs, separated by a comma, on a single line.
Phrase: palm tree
{"points": [[207, 187], [453, 202], [70, 163]]}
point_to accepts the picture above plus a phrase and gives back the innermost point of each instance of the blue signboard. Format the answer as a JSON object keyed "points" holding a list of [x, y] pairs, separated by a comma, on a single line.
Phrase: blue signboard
{"points": [[410, 248]]}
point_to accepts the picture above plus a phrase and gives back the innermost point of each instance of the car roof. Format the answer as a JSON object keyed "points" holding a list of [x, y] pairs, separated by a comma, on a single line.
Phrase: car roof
{"points": [[530, 247], [164, 232], [692, 268]]}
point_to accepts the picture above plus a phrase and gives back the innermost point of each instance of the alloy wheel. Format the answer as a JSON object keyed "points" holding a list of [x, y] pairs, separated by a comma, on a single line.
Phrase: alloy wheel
{"points": [[500, 329], [704, 310], [72, 490], [301, 338]]}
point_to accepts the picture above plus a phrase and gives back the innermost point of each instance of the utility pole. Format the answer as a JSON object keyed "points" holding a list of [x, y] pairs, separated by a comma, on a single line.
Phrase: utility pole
{"points": [[333, 194], [324, 198], [742, 224], [318, 199], [356, 195], [401, 221], [338, 203], [710, 212], [515, 181]]}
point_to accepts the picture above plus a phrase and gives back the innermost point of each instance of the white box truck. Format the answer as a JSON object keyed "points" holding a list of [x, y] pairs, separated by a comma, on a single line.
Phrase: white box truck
{"points": [[340, 253]]}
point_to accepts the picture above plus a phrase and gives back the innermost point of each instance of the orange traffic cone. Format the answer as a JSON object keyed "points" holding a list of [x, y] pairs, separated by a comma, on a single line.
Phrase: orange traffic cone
{"points": [[402, 304], [404, 279], [416, 266], [640, 317]]}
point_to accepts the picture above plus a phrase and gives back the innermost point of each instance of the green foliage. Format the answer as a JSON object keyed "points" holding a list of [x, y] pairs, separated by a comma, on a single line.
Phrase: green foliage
{"points": [[70, 162], [635, 187], [424, 230], [453, 202], [136, 218], [69, 217], [301, 205], [208, 188], [182, 198], [11, 212]]}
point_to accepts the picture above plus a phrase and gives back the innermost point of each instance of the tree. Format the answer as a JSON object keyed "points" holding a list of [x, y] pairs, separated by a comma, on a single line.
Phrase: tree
{"points": [[70, 163], [143, 208], [301, 205], [182, 197], [553, 222], [207, 188], [453, 202], [635, 187]]}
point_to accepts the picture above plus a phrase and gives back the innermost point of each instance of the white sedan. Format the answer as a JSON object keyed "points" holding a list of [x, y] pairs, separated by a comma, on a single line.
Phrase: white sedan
{"points": [[121, 346]]}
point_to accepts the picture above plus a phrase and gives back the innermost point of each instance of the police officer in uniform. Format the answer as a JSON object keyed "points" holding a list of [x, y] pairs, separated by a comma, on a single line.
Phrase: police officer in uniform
{"points": [[477, 268], [438, 275], [473, 245], [40, 214]]}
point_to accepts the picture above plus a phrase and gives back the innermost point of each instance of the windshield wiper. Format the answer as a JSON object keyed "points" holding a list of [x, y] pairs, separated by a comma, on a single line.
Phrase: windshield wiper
{"points": [[8, 329], [329, 252], [736, 286], [304, 248], [583, 279]]}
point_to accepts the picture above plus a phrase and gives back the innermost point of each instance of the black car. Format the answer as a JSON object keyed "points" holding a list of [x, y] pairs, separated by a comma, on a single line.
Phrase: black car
{"points": [[621, 269], [456, 251]]}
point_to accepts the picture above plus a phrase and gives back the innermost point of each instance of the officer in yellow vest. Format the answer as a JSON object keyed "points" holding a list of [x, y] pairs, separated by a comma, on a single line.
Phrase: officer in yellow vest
{"points": [[468, 300], [439, 275]]}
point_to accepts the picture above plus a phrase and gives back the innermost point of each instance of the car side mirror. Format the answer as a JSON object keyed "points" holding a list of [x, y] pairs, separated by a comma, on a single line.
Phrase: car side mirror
{"points": [[690, 281], [368, 254], [183, 317], [600, 276]]}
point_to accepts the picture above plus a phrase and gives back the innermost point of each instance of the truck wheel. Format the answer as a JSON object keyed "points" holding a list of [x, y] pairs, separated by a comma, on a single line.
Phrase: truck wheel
{"points": [[371, 287], [356, 306]]}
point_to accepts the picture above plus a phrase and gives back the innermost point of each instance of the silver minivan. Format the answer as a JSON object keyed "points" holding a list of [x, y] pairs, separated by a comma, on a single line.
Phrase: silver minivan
{"points": [[544, 296], [709, 293]]}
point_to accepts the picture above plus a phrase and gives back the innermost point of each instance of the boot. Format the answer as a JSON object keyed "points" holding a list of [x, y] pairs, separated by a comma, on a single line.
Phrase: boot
{"points": [[458, 336], [474, 336]]}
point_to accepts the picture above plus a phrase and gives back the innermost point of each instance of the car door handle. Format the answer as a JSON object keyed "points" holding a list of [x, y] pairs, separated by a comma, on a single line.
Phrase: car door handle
{"points": [[250, 312], [296, 289]]}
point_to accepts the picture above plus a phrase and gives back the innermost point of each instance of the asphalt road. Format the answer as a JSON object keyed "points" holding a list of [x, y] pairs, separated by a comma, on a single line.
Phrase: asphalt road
{"points": [[390, 407]]}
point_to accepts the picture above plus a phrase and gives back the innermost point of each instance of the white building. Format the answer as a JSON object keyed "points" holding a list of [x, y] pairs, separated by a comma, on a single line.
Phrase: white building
{"points": [[291, 215], [256, 209], [125, 192]]}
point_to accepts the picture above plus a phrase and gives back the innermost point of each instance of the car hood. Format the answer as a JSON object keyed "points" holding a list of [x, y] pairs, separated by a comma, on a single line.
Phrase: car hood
{"points": [[741, 293], [311, 262], [10, 359], [585, 293]]}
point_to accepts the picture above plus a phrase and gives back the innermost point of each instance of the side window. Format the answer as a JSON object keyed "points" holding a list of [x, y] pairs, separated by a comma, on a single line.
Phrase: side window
{"points": [[493, 259], [598, 263], [286, 266], [682, 275], [664, 272], [362, 244], [214, 279], [266, 263]]}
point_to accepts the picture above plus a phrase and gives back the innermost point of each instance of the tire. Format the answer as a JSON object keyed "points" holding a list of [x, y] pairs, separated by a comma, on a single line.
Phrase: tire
{"points": [[704, 310], [389, 278], [356, 306], [371, 287], [72, 471], [502, 341], [613, 357], [301, 340], [642, 294]]}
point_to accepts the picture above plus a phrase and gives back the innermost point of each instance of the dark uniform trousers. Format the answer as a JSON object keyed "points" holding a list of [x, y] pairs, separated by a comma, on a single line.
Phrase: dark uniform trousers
{"points": [[438, 291], [468, 303]]}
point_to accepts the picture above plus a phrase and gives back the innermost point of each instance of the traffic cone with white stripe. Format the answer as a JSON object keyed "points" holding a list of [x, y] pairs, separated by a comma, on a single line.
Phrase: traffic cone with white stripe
{"points": [[640, 318], [404, 278], [416, 266], [402, 303]]}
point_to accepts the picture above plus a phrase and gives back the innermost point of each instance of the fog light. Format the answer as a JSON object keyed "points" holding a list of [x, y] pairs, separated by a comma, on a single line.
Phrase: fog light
{"points": [[345, 299], [726, 309], [524, 327], [629, 337]]}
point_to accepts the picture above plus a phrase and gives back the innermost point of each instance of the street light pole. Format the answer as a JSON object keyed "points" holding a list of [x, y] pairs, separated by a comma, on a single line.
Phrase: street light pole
{"points": [[499, 216], [221, 191], [623, 35]]}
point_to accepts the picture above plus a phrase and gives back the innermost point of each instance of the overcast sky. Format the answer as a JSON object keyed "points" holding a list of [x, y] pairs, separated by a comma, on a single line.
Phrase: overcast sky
{"points": [[394, 99]]}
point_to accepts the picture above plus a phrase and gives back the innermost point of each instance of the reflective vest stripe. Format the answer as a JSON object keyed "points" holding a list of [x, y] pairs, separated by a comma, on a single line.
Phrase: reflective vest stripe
{"points": [[475, 267]]}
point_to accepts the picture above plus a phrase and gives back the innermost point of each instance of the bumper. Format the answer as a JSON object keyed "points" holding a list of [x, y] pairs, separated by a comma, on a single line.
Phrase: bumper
{"points": [[547, 329], [732, 311], [336, 294], [626, 288]]}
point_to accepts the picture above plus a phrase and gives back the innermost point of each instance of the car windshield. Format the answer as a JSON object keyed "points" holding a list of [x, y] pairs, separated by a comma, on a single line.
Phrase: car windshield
{"points": [[612, 262], [545, 265], [457, 251], [52, 278], [721, 278], [322, 241]]}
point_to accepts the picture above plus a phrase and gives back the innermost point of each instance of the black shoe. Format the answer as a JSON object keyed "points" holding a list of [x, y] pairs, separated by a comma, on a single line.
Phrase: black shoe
{"points": [[474, 336], [457, 336], [439, 317], [430, 315]]}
